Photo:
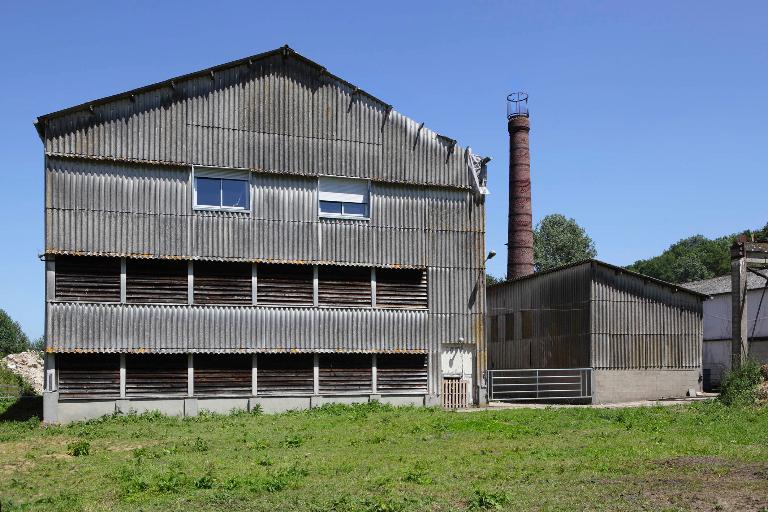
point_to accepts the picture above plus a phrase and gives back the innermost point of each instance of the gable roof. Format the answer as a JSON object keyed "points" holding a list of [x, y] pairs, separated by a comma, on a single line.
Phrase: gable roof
{"points": [[285, 51], [722, 284], [615, 268]]}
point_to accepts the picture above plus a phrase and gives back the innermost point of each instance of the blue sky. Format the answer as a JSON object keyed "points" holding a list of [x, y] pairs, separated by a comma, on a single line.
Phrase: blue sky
{"points": [[648, 119]]}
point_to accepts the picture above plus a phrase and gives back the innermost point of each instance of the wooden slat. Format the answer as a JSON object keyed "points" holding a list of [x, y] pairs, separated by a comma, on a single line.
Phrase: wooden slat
{"points": [[87, 278], [454, 393], [222, 283], [88, 375], [401, 288], [401, 373], [345, 373], [155, 374], [156, 281], [289, 285], [219, 374], [344, 286], [285, 374]]}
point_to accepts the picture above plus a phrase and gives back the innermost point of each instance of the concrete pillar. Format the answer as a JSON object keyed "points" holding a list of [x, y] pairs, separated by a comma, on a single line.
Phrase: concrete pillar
{"points": [[50, 407], [51, 382], [190, 407], [190, 283], [254, 283], [254, 375], [315, 285], [122, 375], [190, 375], [123, 265], [739, 340], [316, 374], [374, 375], [373, 287]]}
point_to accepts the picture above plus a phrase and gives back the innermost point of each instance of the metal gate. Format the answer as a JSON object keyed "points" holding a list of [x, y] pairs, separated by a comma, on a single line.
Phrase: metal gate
{"points": [[562, 384]]}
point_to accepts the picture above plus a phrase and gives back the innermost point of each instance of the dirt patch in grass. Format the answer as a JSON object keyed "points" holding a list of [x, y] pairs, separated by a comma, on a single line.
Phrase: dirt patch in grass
{"points": [[708, 484]]}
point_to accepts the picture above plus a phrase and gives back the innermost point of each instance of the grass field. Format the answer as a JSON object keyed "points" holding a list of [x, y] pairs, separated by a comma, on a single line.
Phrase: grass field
{"points": [[703, 456]]}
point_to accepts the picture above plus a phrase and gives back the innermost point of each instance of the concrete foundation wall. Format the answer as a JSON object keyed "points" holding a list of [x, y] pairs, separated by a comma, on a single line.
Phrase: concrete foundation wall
{"points": [[67, 411], [612, 386]]}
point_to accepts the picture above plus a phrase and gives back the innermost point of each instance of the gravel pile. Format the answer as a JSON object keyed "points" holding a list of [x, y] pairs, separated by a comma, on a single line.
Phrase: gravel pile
{"points": [[29, 366]]}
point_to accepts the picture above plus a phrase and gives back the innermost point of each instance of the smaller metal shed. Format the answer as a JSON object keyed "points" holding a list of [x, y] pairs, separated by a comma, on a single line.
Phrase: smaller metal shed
{"points": [[595, 332]]}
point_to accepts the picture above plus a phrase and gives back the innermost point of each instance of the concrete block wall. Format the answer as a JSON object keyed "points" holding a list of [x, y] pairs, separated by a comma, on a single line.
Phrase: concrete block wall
{"points": [[67, 411], [615, 386]]}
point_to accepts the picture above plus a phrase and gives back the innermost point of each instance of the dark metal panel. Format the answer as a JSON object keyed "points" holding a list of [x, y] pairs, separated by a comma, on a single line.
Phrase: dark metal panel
{"points": [[550, 313]]}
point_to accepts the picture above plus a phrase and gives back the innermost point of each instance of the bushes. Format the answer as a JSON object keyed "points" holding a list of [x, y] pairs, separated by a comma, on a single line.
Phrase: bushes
{"points": [[740, 387], [12, 338]]}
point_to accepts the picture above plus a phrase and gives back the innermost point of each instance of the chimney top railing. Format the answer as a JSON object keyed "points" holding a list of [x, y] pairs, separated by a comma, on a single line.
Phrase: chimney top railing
{"points": [[517, 104]]}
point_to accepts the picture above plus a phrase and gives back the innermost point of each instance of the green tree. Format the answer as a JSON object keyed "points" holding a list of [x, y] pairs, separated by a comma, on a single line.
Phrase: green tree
{"points": [[12, 338], [694, 258], [558, 240], [491, 280]]}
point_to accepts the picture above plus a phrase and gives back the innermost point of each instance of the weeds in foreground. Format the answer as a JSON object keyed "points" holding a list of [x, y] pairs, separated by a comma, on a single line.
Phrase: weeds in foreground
{"points": [[740, 387], [374, 458], [79, 448]]}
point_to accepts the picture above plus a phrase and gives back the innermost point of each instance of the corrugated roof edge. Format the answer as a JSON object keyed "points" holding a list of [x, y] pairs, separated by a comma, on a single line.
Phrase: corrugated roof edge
{"points": [[616, 268], [284, 50]]}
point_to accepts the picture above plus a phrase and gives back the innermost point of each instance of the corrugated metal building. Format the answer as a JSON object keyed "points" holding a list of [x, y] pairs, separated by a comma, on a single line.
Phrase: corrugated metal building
{"points": [[718, 319], [270, 213], [641, 337]]}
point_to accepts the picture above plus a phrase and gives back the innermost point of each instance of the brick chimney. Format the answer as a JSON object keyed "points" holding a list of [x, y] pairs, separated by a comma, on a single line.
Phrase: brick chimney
{"points": [[520, 227]]}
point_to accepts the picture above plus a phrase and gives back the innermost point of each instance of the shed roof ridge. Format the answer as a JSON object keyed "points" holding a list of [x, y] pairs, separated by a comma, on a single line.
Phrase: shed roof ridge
{"points": [[593, 261]]}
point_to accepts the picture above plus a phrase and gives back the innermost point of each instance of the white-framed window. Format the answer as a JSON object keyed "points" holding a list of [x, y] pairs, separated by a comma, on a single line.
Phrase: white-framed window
{"points": [[346, 198], [221, 189]]}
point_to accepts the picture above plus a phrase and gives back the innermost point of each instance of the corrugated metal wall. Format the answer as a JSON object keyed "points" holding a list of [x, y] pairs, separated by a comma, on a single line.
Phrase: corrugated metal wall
{"points": [[638, 324], [278, 114], [140, 210], [556, 308], [597, 316], [118, 183]]}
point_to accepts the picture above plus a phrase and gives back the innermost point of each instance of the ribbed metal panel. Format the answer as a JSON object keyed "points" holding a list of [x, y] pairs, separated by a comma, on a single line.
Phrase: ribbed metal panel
{"points": [[167, 328], [143, 210], [446, 285], [277, 114], [112, 187], [640, 324], [595, 315]]}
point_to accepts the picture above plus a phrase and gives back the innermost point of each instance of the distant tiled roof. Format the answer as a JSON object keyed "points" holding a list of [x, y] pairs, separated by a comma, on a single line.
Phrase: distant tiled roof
{"points": [[722, 284]]}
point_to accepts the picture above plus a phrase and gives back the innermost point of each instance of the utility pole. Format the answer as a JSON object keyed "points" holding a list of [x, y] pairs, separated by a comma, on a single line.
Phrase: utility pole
{"points": [[739, 340]]}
